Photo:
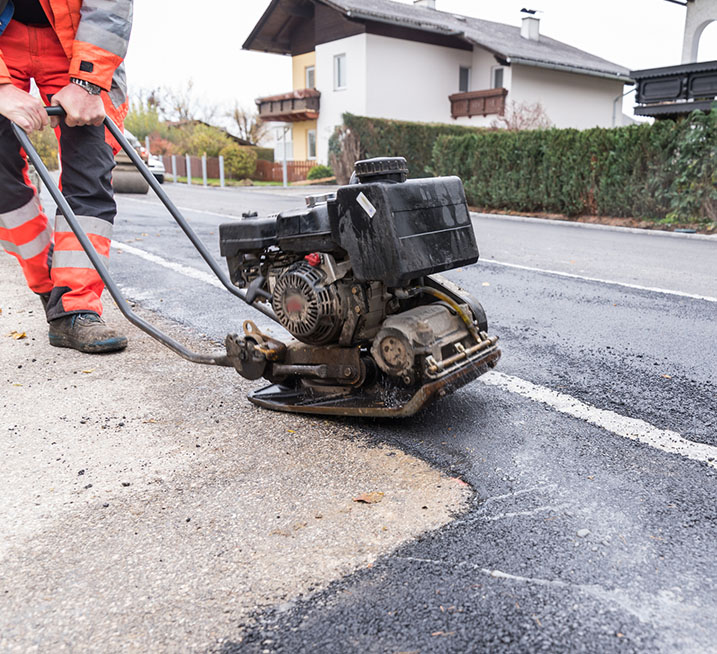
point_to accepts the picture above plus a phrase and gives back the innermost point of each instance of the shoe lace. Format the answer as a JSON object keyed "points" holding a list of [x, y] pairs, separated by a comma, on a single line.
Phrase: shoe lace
{"points": [[88, 318]]}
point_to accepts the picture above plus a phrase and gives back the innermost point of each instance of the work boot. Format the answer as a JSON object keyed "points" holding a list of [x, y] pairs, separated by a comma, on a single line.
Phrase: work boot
{"points": [[86, 332]]}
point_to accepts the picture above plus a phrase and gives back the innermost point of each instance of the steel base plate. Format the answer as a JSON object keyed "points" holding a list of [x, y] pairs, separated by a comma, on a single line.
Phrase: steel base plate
{"points": [[379, 400]]}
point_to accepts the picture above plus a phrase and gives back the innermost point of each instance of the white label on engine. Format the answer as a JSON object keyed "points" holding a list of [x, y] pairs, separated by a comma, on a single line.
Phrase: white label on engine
{"points": [[366, 205]]}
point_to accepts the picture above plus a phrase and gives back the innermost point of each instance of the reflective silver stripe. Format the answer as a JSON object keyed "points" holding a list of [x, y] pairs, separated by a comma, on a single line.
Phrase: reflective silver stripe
{"points": [[106, 24], [32, 248], [90, 224], [74, 259], [18, 217]]}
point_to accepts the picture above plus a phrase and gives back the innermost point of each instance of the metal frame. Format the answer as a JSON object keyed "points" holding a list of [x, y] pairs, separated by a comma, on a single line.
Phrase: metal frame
{"points": [[218, 359]]}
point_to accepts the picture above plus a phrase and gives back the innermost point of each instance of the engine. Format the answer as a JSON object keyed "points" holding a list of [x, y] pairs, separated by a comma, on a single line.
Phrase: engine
{"points": [[352, 278]]}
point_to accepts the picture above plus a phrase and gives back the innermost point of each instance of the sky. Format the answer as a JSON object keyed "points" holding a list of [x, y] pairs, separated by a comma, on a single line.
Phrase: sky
{"points": [[172, 41]]}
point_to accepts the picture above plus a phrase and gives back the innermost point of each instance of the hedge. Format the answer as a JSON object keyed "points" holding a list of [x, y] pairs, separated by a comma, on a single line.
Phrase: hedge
{"points": [[667, 170], [394, 138]]}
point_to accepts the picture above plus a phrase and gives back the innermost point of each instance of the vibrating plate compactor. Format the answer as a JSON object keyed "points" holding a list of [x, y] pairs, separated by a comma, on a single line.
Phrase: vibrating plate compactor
{"points": [[352, 277]]}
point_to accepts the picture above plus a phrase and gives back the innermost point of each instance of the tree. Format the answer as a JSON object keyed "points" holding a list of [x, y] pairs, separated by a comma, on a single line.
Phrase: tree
{"points": [[523, 116], [143, 117], [248, 125]]}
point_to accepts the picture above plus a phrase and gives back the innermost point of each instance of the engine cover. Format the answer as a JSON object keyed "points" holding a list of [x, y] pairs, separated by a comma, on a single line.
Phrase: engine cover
{"points": [[306, 307], [423, 331]]}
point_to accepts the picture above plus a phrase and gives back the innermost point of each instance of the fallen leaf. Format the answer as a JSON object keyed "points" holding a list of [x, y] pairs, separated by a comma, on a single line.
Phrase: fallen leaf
{"points": [[17, 335], [88, 372], [667, 376], [150, 421], [291, 431], [369, 498]]}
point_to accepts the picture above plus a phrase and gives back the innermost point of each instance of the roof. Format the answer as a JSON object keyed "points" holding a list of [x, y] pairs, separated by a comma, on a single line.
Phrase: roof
{"points": [[504, 41]]}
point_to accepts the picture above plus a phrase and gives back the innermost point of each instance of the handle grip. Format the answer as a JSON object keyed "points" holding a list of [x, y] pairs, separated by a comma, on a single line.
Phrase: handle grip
{"points": [[55, 111]]}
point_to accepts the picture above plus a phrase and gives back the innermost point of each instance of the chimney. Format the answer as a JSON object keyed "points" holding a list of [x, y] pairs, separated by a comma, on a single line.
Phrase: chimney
{"points": [[431, 4], [531, 28]]}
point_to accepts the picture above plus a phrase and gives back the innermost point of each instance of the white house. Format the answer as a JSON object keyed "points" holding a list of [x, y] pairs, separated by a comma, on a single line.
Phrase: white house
{"points": [[412, 62]]}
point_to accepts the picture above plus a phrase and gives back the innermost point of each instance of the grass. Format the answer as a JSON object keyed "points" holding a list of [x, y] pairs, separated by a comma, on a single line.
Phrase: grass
{"points": [[198, 181]]}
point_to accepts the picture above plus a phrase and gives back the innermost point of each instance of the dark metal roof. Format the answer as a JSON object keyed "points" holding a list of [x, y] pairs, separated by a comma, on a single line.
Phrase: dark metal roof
{"points": [[668, 71], [504, 41]]}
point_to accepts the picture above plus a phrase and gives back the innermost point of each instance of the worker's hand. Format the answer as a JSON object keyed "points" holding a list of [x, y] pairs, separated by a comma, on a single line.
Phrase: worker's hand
{"points": [[80, 107], [22, 108]]}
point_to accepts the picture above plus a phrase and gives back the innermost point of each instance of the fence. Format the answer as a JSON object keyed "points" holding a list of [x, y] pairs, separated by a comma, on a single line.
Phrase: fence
{"points": [[296, 171], [266, 171]]}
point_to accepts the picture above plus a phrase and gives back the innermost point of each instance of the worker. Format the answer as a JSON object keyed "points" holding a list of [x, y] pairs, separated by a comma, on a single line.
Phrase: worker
{"points": [[74, 50]]}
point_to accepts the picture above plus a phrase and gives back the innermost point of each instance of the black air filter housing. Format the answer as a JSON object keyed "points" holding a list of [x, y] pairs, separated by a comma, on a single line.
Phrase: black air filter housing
{"points": [[395, 232]]}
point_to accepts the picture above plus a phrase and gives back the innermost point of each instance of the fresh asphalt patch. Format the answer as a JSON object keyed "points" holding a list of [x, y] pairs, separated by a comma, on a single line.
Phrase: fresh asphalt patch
{"points": [[577, 541]]}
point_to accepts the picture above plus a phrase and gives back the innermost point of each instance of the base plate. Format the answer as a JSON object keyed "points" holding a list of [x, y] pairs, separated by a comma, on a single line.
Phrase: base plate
{"points": [[380, 400]]}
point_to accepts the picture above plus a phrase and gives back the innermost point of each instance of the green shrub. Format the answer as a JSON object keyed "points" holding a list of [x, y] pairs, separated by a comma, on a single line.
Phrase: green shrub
{"points": [[320, 172], [395, 138], [239, 162], [666, 170], [45, 142], [265, 154]]}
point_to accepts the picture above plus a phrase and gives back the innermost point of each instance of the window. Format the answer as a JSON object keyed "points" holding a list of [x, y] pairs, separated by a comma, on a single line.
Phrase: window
{"points": [[340, 71], [311, 144], [497, 78], [464, 79], [310, 77]]}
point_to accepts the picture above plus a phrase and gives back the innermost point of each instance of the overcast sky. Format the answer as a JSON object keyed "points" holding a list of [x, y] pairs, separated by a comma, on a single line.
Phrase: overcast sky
{"points": [[174, 41]]}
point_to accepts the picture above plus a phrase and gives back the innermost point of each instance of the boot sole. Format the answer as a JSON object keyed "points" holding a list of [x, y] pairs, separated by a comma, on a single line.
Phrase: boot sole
{"points": [[110, 345]]}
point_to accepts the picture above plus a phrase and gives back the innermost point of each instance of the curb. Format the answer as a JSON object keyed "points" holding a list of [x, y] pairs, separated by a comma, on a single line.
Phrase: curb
{"points": [[610, 228]]}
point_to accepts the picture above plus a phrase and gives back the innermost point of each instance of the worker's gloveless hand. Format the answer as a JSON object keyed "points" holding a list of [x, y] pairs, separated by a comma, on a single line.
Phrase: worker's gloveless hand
{"points": [[21, 108], [81, 107]]}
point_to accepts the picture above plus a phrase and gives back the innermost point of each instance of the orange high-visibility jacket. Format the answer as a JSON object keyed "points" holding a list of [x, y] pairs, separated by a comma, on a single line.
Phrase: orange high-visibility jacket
{"points": [[94, 35]]}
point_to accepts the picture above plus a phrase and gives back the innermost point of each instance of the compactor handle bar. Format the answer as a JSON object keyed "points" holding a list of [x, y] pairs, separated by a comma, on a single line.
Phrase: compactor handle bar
{"points": [[66, 210]]}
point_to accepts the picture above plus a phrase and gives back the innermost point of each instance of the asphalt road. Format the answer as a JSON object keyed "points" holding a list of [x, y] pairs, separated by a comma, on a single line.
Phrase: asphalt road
{"points": [[592, 454]]}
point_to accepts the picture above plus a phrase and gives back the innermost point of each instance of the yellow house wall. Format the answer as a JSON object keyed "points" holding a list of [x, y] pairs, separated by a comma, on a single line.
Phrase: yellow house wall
{"points": [[300, 138], [299, 130], [299, 64]]}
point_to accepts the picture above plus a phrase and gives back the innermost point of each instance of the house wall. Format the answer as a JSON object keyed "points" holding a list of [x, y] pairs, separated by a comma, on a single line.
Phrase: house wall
{"points": [[570, 100], [299, 65], [300, 140], [408, 80], [334, 103]]}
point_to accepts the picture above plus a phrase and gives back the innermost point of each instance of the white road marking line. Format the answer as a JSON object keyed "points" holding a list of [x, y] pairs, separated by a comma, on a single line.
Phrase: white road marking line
{"points": [[187, 271], [632, 428], [651, 289], [186, 209]]}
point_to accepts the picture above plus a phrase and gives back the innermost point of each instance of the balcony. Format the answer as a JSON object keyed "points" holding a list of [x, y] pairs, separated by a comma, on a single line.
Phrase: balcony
{"points": [[478, 103], [290, 107], [675, 90]]}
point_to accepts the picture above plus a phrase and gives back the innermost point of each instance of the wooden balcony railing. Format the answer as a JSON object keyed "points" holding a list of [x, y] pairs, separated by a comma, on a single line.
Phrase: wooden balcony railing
{"points": [[290, 107], [478, 103]]}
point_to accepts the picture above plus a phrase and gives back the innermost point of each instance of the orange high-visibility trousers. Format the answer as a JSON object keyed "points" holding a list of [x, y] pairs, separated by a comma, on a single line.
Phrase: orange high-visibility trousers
{"points": [[53, 260]]}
